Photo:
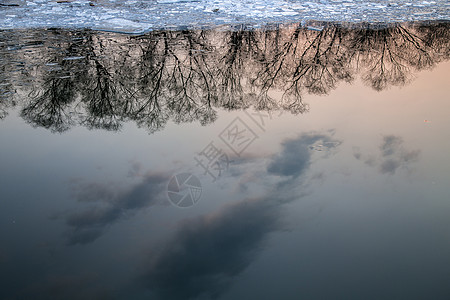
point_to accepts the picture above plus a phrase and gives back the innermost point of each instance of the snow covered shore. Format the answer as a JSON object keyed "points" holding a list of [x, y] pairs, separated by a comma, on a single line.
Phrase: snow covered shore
{"points": [[140, 16]]}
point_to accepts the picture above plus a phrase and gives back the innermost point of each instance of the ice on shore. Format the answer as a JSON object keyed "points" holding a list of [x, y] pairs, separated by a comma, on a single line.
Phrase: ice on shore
{"points": [[140, 16]]}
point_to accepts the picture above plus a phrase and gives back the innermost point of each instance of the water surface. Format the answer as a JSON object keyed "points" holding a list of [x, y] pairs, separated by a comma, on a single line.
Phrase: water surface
{"points": [[314, 162]]}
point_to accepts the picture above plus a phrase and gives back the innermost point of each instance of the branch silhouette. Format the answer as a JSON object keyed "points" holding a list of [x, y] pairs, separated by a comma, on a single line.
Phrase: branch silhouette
{"points": [[101, 80]]}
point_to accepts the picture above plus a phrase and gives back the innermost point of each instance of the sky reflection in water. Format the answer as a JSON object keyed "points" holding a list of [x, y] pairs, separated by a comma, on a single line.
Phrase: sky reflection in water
{"points": [[336, 197]]}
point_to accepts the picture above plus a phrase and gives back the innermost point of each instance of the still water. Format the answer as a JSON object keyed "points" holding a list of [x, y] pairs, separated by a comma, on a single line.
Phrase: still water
{"points": [[286, 162]]}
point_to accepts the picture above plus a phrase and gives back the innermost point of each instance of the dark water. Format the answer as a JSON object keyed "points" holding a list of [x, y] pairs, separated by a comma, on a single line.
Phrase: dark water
{"points": [[279, 163]]}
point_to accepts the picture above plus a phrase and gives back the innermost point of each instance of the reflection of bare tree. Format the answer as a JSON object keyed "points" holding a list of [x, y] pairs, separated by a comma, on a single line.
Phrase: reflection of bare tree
{"points": [[7, 89], [51, 108], [149, 111], [323, 62], [101, 80], [101, 94], [241, 54], [308, 61], [190, 82], [175, 79], [6, 94], [51, 105], [437, 37], [386, 55], [106, 91]]}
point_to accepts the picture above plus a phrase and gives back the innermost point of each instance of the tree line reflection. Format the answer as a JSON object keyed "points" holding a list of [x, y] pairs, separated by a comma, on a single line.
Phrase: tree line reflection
{"points": [[60, 79]]}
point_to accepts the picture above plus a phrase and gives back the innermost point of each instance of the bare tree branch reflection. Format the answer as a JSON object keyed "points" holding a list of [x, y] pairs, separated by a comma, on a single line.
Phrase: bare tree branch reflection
{"points": [[51, 108], [101, 80], [7, 92], [7, 74], [387, 55]]}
